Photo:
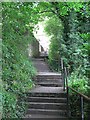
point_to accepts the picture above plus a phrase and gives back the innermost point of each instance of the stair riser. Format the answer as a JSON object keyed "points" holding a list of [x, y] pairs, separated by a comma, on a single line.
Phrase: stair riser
{"points": [[48, 106], [48, 75], [49, 80], [62, 113], [51, 77], [50, 85], [46, 100], [45, 119], [61, 95]]}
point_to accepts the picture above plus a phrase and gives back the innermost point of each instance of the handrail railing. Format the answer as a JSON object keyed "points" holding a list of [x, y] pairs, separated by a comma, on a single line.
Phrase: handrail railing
{"points": [[82, 95], [66, 87], [83, 98]]}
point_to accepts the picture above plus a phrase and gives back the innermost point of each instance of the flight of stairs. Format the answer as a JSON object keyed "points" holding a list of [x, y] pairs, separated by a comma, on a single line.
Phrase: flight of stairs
{"points": [[47, 100]]}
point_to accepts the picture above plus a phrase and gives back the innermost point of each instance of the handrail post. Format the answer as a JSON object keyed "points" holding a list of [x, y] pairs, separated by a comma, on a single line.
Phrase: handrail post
{"points": [[68, 110], [58, 65], [68, 101], [63, 75], [66, 77], [82, 108]]}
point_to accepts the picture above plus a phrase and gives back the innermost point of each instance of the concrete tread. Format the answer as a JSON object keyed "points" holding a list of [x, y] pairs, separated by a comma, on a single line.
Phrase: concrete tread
{"points": [[48, 74], [41, 89], [47, 99], [48, 110], [46, 103], [42, 116]]}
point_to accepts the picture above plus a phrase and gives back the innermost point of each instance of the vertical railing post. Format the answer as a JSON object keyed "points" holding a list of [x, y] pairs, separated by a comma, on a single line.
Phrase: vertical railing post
{"points": [[66, 82], [67, 88], [67, 71], [82, 108], [63, 75], [58, 64], [68, 107]]}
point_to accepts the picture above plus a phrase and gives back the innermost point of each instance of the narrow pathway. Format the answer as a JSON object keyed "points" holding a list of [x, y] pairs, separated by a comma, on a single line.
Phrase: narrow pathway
{"points": [[40, 65], [47, 100]]}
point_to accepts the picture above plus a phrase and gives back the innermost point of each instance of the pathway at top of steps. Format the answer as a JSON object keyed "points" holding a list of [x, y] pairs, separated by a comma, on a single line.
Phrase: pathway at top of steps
{"points": [[40, 65]]}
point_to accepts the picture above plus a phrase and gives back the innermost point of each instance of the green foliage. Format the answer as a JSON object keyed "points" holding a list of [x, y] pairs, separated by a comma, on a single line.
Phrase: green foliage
{"points": [[53, 24], [17, 69], [68, 41], [86, 51], [78, 81], [54, 28], [9, 104], [1, 106]]}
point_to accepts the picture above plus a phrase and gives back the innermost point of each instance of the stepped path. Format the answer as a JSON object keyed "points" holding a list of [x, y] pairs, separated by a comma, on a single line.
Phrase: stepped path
{"points": [[47, 99]]}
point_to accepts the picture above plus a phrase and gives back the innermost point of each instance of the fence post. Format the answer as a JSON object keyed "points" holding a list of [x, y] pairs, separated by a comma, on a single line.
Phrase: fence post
{"points": [[58, 65], [63, 74], [67, 88], [66, 82], [82, 108]]}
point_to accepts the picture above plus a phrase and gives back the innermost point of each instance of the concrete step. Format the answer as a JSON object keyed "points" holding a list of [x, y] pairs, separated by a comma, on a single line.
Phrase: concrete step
{"points": [[43, 117], [48, 106], [48, 75], [47, 112], [47, 91], [41, 66], [47, 99], [42, 89]]}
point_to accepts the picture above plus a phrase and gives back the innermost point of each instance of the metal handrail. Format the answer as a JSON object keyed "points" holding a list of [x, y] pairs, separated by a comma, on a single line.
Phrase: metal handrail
{"points": [[82, 96]]}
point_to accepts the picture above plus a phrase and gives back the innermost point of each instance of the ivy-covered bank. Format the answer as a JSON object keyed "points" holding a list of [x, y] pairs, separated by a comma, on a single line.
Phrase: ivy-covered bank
{"points": [[17, 69]]}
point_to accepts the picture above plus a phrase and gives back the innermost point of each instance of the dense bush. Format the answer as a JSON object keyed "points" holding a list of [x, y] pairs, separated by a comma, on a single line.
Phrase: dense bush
{"points": [[69, 36], [54, 29], [17, 69], [78, 81]]}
